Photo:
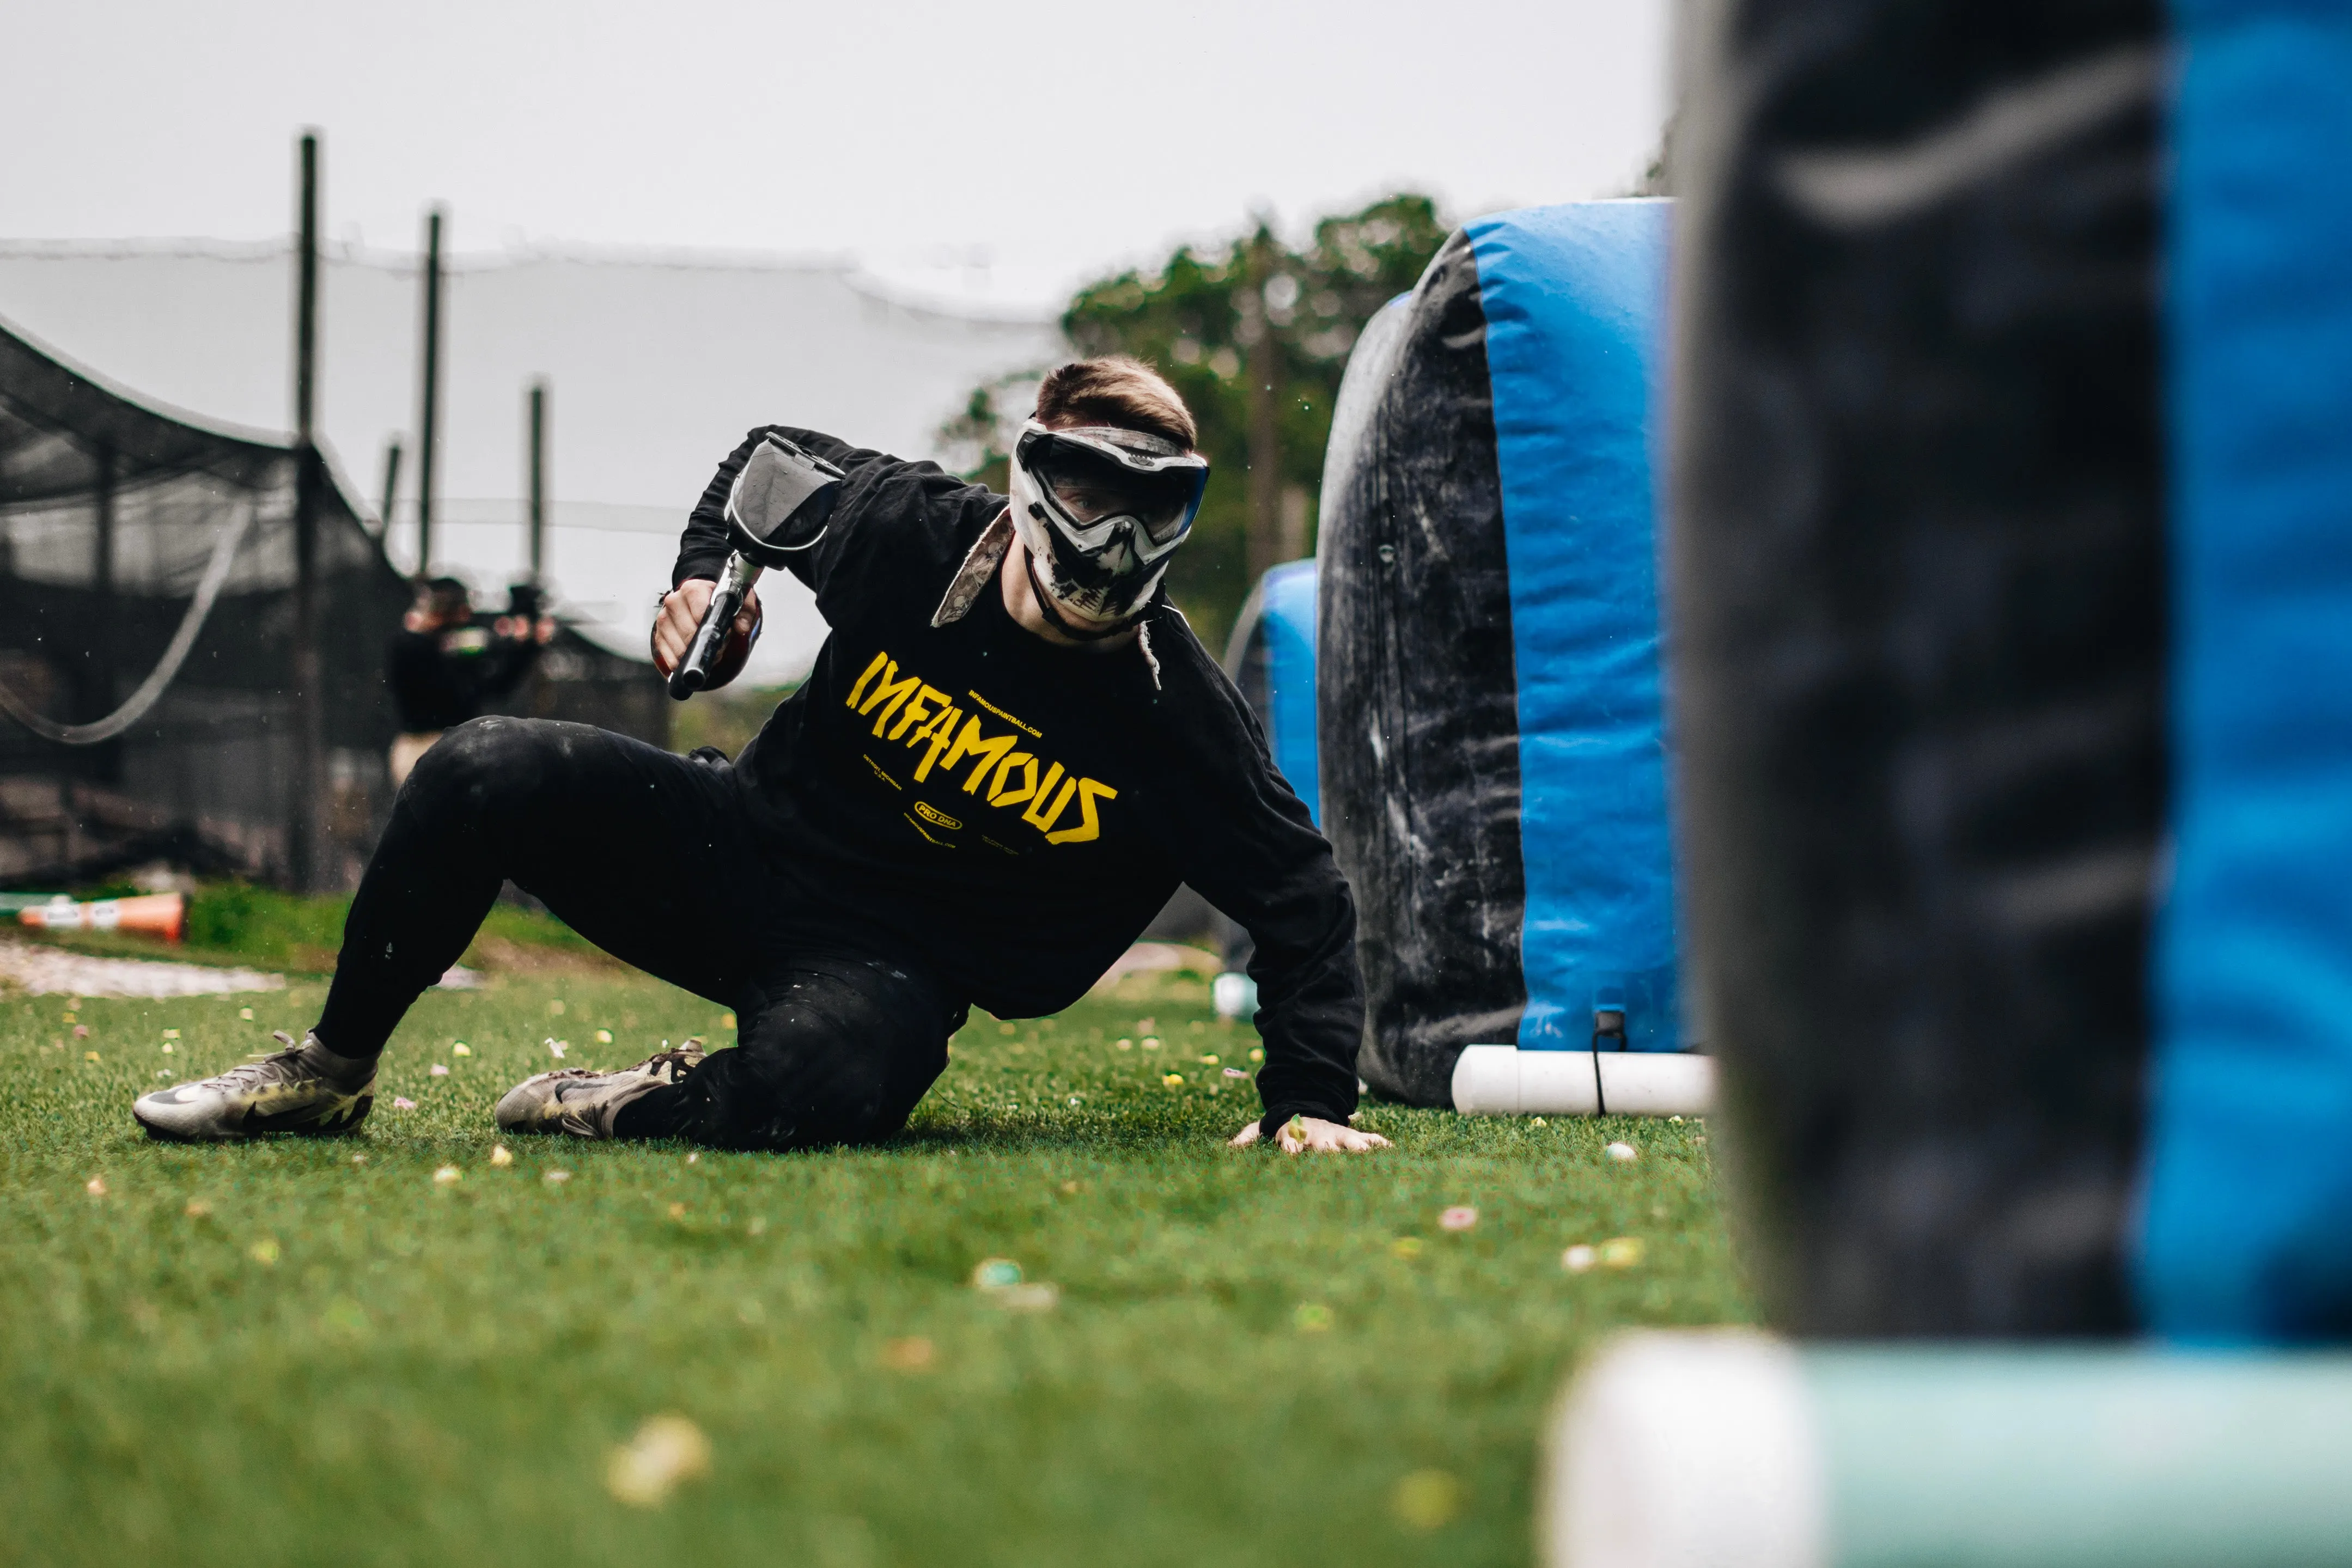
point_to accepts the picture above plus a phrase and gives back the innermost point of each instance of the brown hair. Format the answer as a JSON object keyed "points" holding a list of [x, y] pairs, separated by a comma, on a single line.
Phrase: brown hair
{"points": [[1119, 392]]}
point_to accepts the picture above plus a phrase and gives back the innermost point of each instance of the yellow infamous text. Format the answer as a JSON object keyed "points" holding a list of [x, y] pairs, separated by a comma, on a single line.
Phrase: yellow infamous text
{"points": [[998, 792], [941, 735], [934, 737], [1038, 814], [926, 702], [888, 695], [872, 670], [972, 743], [1089, 825]]}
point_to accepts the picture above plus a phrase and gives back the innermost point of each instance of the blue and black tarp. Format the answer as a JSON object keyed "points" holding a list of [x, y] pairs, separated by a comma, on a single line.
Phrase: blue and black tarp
{"points": [[2012, 567], [1492, 755]]}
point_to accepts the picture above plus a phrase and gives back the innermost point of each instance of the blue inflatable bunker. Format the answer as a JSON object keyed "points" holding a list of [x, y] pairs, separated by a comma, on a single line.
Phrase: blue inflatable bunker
{"points": [[1493, 751], [1272, 659]]}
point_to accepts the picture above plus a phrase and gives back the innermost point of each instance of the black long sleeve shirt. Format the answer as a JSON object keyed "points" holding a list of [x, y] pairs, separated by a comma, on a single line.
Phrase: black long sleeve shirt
{"points": [[1016, 811]]}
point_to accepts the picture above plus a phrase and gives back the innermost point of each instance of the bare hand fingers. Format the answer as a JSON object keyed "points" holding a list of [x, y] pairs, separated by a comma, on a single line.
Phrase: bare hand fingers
{"points": [[1310, 1135], [665, 636], [1327, 1138], [682, 616], [682, 610]]}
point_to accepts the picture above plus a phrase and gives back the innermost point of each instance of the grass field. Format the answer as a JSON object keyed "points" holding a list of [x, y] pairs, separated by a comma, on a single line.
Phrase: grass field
{"points": [[312, 1352]]}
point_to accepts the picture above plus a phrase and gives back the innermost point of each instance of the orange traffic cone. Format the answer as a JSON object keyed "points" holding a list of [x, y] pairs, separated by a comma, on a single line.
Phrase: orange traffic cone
{"points": [[164, 914]]}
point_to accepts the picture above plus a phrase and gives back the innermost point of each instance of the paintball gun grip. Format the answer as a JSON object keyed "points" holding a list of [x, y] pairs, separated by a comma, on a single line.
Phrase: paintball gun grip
{"points": [[694, 671]]}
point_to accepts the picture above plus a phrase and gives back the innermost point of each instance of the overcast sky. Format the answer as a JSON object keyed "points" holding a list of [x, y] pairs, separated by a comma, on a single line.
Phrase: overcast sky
{"points": [[1049, 141]]}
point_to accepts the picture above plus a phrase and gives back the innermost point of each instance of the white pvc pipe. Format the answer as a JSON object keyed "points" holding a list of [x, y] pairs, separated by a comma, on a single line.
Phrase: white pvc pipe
{"points": [[1687, 1450], [1726, 1449], [1499, 1081]]}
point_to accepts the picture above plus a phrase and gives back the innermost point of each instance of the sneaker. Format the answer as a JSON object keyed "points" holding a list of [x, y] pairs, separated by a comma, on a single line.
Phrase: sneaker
{"points": [[585, 1101], [304, 1088]]}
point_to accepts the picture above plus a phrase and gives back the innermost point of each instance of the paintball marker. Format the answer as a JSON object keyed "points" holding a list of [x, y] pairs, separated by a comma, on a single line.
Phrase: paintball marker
{"points": [[780, 505]]}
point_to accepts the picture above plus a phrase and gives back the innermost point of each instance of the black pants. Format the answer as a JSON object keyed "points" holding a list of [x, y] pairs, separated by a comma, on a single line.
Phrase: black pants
{"points": [[651, 857]]}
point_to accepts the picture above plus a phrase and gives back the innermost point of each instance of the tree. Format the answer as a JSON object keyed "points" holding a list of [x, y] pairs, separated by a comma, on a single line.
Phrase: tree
{"points": [[978, 443], [1206, 318]]}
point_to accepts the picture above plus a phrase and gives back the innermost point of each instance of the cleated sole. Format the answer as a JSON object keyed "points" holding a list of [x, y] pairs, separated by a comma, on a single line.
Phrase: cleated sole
{"points": [[166, 1135], [341, 1122], [343, 1119]]}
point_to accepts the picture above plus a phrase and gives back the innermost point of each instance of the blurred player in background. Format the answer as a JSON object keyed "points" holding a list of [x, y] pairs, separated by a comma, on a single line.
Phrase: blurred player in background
{"points": [[445, 667]]}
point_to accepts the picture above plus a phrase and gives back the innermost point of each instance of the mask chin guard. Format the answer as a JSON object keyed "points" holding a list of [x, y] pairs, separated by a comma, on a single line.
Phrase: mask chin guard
{"points": [[1053, 614]]}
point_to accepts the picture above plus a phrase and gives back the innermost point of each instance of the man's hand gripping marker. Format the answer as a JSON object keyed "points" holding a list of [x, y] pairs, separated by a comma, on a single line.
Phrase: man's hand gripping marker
{"points": [[780, 505]]}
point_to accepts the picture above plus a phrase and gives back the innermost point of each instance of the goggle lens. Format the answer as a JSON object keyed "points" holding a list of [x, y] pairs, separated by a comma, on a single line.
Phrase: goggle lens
{"points": [[1093, 487]]}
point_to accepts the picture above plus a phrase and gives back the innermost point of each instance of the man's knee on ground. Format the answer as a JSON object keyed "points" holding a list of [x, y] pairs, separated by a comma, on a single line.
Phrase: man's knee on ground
{"points": [[754, 1099], [486, 770]]}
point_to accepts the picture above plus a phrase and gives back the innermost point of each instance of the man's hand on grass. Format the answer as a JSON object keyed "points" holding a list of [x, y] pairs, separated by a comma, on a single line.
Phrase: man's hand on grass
{"points": [[1303, 1134]]}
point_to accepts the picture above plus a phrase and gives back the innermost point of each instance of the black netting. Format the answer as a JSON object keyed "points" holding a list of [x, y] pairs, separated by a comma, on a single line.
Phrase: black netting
{"points": [[109, 516]]}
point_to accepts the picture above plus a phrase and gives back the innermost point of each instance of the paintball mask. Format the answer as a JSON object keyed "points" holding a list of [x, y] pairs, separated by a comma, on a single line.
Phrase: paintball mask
{"points": [[1101, 512]]}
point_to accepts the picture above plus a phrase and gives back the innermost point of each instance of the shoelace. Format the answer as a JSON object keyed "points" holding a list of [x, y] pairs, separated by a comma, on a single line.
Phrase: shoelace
{"points": [[285, 1066], [670, 1064], [277, 1067]]}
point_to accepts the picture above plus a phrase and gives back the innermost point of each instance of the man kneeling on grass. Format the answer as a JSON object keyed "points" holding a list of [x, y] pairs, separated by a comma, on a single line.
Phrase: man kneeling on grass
{"points": [[1008, 753]]}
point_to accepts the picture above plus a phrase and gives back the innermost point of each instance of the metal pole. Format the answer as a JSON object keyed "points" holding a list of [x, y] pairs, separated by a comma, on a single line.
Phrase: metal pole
{"points": [[391, 487], [306, 305], [538, 481], [428, 421], [306, 845]]}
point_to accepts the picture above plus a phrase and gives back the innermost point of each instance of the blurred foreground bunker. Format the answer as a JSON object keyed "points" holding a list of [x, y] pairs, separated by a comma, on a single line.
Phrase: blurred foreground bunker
{"points": [[2010, 562]]}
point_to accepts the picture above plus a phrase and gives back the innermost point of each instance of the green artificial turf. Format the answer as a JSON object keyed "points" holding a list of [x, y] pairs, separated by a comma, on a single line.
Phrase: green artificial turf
{"points": [[310, 1351]]}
